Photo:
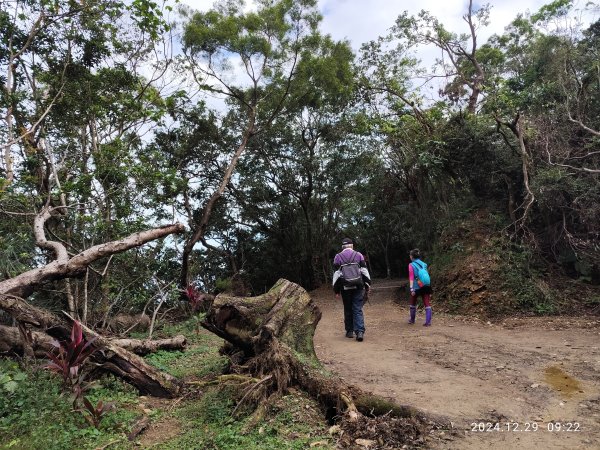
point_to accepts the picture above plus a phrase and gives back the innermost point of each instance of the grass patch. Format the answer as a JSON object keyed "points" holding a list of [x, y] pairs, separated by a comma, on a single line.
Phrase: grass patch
{"points": [[37, 415], [198, 361], [292, 422], [200, 358]]}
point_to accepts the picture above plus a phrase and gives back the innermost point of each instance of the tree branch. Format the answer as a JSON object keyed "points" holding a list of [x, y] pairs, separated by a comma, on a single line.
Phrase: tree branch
{"points": [[24, 284]]}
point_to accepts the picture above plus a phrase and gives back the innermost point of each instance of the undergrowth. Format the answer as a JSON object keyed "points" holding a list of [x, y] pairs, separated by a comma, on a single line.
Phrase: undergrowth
{"points": [[293, 422], [36, 414], [478, 269]]}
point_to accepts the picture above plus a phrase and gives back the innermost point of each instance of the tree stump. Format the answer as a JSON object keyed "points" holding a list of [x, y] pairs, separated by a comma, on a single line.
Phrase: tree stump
{"points": [[275, 333], [285, 314]]}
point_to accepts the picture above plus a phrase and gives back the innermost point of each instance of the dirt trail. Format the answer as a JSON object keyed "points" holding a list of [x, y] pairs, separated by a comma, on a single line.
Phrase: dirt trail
{"points": [[520, 372]]}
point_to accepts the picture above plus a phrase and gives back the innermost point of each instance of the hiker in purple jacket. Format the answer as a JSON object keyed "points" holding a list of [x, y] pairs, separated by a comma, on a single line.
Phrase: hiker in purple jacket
{"points": [[351, 278]]}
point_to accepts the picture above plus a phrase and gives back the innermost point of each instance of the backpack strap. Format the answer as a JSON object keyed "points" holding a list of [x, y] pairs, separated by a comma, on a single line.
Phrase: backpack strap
{"points": [[418, 265], [351, 260]]}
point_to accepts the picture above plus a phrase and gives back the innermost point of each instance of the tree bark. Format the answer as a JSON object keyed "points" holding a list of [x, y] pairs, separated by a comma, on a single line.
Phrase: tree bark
{"points": [[145, 346], [286, 313], [11, 342], [133, 369]]}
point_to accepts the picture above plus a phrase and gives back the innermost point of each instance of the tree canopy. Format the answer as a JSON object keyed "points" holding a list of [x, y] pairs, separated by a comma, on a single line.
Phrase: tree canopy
{"points": [[272, 141]]}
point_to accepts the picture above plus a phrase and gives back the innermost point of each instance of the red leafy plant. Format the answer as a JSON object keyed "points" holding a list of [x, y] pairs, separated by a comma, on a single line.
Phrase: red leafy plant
{"points": [[67, 361], [93, 415], [195, 297], [70, 356]]}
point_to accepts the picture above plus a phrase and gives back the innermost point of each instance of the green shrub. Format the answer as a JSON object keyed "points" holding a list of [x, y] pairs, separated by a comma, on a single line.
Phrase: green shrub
{"points": [[223, 284]]}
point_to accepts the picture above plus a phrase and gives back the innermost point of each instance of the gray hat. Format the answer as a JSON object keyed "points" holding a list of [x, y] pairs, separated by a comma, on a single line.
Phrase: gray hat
{"points": [[347, 241]]}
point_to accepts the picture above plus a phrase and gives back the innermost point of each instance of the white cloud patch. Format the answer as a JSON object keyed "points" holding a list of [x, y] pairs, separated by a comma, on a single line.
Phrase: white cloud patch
{"points": [[360, 21]]}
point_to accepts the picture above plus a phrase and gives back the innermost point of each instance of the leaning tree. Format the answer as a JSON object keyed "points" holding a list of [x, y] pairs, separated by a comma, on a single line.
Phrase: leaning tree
{"points": [[69, 162]]}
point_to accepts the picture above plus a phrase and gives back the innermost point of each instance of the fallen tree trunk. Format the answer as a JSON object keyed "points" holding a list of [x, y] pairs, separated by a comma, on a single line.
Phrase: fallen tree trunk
{"points": [[273, 337], [24, 284], [144, 346], [133, 369], [112, 358], [11, 342]]}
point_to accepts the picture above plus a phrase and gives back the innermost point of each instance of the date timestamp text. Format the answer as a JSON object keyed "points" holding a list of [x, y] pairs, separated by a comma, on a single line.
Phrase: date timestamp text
{"points": [[525, 427]]}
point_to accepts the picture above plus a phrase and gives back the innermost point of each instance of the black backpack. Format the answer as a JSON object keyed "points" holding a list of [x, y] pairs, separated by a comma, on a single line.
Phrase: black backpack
{"points": [[350, 272]]}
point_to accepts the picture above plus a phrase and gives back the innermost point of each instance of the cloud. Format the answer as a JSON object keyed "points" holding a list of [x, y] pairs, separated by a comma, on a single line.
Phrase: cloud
{"points": [[359, 23]]}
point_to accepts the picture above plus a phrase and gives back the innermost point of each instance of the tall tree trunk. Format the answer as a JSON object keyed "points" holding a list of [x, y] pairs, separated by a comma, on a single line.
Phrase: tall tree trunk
{"points": [[477, 79], [200, 228], [516, 127]]}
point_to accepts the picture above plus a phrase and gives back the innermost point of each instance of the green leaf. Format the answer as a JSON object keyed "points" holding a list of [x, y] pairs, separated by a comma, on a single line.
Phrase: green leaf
{"points": [[20, 376], [11, 386]]}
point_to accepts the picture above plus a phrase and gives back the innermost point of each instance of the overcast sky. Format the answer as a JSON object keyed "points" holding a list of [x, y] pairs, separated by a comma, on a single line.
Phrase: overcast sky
{"points": [[360, 21]]}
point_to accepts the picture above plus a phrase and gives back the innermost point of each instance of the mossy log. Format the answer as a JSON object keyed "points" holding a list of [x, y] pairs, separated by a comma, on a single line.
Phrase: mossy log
{"points": [[275, 333]]}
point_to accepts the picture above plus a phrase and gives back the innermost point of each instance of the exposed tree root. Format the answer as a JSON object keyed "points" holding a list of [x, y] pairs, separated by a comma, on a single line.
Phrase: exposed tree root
{"points": [[238, 379], [274, 333]]}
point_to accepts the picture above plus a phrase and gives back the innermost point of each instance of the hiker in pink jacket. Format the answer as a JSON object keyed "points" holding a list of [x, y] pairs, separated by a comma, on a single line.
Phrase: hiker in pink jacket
{"points": [[419, 287]]}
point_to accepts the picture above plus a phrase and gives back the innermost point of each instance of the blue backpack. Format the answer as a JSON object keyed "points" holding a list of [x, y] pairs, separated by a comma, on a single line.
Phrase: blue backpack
{"points": [[421, 274]]}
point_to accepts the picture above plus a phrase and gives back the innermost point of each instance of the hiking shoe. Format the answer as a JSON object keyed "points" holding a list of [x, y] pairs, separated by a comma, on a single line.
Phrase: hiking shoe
{"points": [[350, 334], [411, 322], [359, 336]]}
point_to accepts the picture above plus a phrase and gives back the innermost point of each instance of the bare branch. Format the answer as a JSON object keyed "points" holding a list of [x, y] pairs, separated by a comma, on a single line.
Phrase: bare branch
{"points": [[23, 285], [582, 125], [567, 166]]}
